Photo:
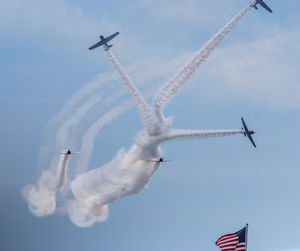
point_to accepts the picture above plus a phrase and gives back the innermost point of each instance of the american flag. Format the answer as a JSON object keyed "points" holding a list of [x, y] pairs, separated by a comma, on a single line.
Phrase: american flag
{"points": [[233, 242]]}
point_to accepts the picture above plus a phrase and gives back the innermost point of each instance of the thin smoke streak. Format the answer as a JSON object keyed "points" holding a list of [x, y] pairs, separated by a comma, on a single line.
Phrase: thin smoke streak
{"points": [[88, 139], [62, 134]]}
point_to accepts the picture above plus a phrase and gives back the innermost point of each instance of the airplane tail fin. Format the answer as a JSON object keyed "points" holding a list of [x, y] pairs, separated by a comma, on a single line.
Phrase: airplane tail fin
{"points": [[263, 4], [107, 47]]}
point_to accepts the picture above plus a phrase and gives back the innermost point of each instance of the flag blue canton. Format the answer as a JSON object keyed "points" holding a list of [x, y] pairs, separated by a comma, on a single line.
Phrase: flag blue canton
{"points": [[242, 235]]}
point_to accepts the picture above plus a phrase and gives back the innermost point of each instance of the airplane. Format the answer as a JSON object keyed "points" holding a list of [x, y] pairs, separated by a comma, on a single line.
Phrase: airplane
{"points": [[104, 41], [263, 4], [247, 132], [69, 152], [159, 160]]}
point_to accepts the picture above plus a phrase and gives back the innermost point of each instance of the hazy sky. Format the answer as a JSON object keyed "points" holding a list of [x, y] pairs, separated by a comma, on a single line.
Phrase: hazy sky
{"points": [[212, 186]]}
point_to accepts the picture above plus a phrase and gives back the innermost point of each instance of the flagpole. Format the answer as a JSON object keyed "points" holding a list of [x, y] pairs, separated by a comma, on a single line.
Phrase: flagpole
{"points": [[246, 236]]}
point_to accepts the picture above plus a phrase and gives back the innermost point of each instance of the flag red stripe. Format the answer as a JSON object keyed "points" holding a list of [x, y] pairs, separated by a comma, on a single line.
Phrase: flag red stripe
{"points": [[226, 235], [227, 238]]}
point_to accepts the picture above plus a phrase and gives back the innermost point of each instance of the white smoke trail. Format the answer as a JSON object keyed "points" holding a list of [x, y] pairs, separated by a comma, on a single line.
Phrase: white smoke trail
{"points": [[187, 134], [171, 88], [70, 108], [62, 173], [88, 139], [69, 117], [62, 134], [141, 103], [41, 198], [78, 98]]}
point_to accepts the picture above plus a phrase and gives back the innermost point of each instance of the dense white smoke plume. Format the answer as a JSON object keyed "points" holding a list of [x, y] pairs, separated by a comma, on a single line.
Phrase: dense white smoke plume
{"points": [[41, 198], [129, 171]]}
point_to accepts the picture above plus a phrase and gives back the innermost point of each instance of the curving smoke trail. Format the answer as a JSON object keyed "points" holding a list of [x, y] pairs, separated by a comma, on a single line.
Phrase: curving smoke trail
{"points": [[63, 131], [88, 139], [41, 198], [171, 88]]}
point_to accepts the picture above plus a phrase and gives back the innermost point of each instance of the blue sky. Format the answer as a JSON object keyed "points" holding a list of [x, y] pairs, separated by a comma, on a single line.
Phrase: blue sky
{"points": [[211, 187]]}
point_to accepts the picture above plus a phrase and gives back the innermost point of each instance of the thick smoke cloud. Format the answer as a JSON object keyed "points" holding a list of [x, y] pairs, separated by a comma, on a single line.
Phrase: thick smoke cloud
{"points": [[41, 198]]}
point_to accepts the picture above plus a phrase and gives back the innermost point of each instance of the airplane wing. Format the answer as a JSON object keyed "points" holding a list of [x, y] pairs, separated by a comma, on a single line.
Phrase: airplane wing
{"points": [[157, 161], [244, 125], [111, 36], [263, 4], [252, 141], [96, 45]]}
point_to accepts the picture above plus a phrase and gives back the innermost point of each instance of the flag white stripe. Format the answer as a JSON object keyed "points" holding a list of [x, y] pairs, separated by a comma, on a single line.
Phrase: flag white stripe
{"points": [[226, 236], [229, 243], [228, 240]]}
